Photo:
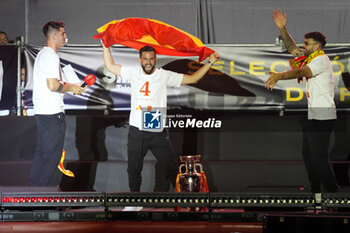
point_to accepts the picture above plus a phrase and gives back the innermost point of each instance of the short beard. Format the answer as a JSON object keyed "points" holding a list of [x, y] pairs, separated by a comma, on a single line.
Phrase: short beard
{"points": [[148, 72]]}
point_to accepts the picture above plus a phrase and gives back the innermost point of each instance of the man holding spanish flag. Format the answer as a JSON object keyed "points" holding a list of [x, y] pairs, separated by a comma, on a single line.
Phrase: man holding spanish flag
{"points": [[312, 63], [149, 89]]}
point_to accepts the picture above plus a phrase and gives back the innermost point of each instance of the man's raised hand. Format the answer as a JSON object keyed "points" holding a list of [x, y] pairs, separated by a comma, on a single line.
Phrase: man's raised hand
{"points": [[279, 18]]}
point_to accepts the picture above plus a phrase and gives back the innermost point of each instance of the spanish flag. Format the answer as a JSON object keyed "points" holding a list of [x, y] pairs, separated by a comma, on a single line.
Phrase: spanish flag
{"points": [[166, 39]]}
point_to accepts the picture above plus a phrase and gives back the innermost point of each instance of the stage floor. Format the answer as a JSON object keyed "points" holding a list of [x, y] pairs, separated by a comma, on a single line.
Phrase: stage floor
{"points": [[161, 220], [131, 226]]}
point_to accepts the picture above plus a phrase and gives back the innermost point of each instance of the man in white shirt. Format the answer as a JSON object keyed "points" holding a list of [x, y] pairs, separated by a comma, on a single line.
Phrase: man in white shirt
{"points": [[149, 90], [317, 68], [48, 89]]}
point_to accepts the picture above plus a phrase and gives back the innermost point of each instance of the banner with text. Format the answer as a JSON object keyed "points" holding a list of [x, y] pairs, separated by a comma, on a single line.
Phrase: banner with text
{"points": [[236, 81]]}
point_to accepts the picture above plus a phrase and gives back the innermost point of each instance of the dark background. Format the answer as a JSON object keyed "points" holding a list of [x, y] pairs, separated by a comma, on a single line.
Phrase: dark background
{"points": [[213, 21]]}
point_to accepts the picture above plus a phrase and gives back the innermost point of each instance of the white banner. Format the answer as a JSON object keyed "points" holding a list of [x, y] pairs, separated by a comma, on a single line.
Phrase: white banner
{"points": [[236, 82]]}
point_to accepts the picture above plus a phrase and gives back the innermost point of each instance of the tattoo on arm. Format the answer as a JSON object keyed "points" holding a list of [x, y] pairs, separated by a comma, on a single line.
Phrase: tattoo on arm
{"points": [[290, 43], [60, 87], [299, 52]]}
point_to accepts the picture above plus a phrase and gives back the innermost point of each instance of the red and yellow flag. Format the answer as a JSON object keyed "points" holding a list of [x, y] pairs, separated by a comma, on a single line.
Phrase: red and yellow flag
{"points": [[166, 39]]}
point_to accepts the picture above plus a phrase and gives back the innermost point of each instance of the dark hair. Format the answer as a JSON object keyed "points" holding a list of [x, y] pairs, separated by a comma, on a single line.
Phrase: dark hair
{"points": [[316, 36], [1, 32], [147, 48], [6, 39], [52, 25]]}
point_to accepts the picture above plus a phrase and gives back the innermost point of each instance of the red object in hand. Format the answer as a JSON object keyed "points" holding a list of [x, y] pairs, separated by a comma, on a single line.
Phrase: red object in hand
{"points": [[89, 80]]}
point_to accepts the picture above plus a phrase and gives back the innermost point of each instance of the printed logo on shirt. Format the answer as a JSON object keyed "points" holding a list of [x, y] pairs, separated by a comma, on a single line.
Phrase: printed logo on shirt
{"points": [[152, 120]]}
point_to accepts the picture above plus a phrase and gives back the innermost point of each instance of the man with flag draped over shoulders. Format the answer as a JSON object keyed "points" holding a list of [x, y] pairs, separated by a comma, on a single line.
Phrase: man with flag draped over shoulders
{"points": [[313, 64], [149, 88]]}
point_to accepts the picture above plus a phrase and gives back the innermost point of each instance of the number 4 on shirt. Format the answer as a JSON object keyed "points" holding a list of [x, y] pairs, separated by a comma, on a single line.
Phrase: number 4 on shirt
{"points": [[145, 89]]}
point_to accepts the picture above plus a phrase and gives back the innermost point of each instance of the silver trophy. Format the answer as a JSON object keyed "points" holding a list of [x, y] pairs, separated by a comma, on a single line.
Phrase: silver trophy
{"points": [[191, 179]]}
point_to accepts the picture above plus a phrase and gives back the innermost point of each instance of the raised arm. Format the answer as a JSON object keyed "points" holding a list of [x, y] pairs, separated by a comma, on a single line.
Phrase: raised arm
{"points": [[281, 21], [195, 77], [109, 61]]}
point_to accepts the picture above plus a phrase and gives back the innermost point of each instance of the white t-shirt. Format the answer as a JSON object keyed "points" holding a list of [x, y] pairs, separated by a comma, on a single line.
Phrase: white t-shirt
{"points": [[320, 89], [46, 66], [148, 90]]}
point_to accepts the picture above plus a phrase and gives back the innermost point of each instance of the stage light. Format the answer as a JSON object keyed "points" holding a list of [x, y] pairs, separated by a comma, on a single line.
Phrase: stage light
{"points": [[52, 199], [157, 199], [243, 200], [341, 200], [209, 200]]}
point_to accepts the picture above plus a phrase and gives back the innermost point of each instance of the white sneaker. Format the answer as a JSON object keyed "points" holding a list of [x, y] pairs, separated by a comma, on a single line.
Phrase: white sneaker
{"points": [[132, 208]]}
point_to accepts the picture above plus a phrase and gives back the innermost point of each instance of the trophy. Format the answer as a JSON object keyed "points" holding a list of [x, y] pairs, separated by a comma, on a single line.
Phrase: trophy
{"points": [[191, 180]]}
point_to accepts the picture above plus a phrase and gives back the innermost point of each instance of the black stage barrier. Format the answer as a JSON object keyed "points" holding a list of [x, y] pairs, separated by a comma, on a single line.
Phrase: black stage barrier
{"points": [[159, 200], [211, 207]]}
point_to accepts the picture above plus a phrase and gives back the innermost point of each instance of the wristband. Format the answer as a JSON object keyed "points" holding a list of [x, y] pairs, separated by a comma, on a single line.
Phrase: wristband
{"points": [[60, 87]]}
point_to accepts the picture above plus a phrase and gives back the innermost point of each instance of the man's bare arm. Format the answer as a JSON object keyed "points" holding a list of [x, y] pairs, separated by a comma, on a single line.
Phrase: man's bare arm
{"points": [[54, 85], [290, 74], [281, 21], [194, 78], [290, 43], [109, 61]]}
